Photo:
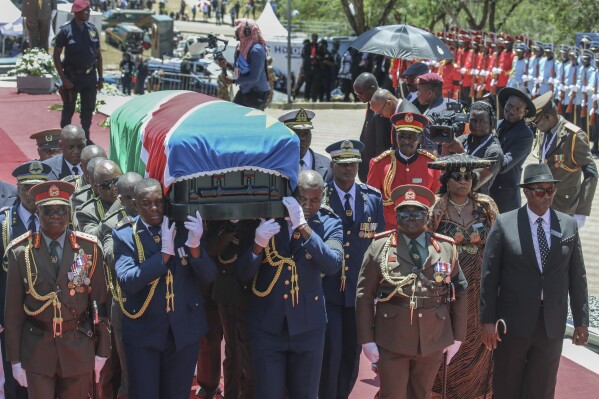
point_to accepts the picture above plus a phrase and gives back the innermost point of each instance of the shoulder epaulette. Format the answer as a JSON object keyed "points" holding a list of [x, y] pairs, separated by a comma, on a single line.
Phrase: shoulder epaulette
{"points": [[443, 238], [383, 155], [427, 154], [89, 201], [87, 237], [369, 188], [19, 239], [383, 234], [70, 178], [125, 221], [112, 213], [572, 127], [328, 210]]}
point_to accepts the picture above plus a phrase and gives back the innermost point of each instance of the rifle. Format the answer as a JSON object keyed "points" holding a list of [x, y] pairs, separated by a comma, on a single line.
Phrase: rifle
{"points": [[535, 90], [495, 76], [481, 75], [585, 95], [552, 79], [572, 92], [562, 90]]}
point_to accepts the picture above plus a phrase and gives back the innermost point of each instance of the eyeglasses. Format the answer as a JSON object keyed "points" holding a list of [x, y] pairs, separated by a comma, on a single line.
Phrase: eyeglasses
{"points": [[52, 212], [417, 215], [457, 176], [107, 185], [541, 192]]}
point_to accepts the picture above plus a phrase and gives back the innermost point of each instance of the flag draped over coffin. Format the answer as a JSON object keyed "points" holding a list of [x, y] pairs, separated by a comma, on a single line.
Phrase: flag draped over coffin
{"points": [[177, 135]]}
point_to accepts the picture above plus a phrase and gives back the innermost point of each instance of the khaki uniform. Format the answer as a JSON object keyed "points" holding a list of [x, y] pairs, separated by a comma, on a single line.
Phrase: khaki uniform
{"points": [[410, 343], [90, 214], [567, 153], [61, 364]]}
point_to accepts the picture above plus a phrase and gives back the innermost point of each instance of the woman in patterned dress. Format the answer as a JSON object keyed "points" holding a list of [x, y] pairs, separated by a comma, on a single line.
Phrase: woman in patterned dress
{"points": [[467, 217]]}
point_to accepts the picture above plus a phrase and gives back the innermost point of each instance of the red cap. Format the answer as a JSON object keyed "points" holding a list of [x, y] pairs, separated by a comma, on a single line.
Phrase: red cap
{"points": [[79, 5], [412, 194], [430, 77], [53, 192], [409, 121]]}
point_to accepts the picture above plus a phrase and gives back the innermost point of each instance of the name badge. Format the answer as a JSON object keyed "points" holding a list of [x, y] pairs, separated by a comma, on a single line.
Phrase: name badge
{"points": [[417, 180], [556, 233]]}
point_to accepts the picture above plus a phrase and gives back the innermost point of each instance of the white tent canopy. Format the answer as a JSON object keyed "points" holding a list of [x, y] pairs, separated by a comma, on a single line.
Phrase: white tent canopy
{"points": [[10, 13], [269, 23], [14, 28]]}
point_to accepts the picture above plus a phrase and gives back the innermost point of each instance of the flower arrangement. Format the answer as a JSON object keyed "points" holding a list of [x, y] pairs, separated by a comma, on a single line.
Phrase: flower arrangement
{"points": [[35, 62]]}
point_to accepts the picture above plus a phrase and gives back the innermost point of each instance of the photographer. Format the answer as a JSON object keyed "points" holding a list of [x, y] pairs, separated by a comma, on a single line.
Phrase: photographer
{"points": [[480, 143], [430, 93], [127, 68], [250, 66]]}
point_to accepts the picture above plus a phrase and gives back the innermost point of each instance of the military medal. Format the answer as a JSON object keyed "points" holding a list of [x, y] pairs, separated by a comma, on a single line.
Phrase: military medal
{"points": [[72, 292], [308, 255], [80, 290], [441, 271], [558, 160], [183, 256], [156, 238], [361, 234]]}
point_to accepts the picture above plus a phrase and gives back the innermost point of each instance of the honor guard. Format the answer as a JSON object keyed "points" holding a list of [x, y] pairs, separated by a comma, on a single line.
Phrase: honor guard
{"points": [[14, 222], [47, 142], [565, 148], [361, 211], [57, 331], [405, 165], [414, 280], [300, 122], [89, 215], [159, 270], [519, 66], [287, 314], [120, 213], [81, 42]]}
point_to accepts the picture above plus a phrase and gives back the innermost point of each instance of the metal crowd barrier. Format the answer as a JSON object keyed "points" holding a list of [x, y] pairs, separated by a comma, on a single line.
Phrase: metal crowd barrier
{"points": [[160, 80]]}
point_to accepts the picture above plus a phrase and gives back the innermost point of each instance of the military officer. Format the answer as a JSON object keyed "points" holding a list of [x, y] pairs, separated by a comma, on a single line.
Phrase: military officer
{"points": [[90, 214], [85, 192], [415, 280], [565, 148], [287, 314], [120, 213], [72, 142], [361, 210], [8, 194], [405, 165], [55, 283], [300, 122], [14, 222], [160, 270], [48, 143], [81, 41]]}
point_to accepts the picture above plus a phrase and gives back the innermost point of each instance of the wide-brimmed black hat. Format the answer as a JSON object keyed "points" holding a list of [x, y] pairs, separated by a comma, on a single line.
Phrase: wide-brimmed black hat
{"points": [[460, 162], [537, 173], [524, 94]]}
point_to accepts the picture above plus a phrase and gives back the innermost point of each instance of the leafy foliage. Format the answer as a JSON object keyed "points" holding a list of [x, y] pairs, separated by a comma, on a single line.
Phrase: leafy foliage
{"points": [[34, 62]]}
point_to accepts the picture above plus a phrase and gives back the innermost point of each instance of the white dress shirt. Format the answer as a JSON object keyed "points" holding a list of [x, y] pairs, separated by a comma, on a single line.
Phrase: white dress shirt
{"points": [[24, 214], [308, 161], [352, 200], [532, 219], [74, 166]]}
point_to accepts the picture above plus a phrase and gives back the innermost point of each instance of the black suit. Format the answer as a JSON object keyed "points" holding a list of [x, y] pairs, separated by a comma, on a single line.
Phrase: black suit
{"points": [[322, 165], [376, 137], [60, 169], [527, 358]]}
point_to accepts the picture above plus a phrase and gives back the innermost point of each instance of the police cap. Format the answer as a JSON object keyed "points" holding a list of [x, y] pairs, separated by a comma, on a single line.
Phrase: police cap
{"points": [[47, 139], [53, 192], [300, 119], [346, 151], [32, 172]]}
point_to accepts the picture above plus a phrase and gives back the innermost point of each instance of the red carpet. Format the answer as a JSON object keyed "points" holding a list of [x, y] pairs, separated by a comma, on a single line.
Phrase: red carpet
{"points": [[24, 114]]}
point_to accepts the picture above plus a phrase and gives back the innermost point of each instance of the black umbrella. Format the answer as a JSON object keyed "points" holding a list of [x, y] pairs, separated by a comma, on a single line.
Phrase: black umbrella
{"points": [[402, 41]]}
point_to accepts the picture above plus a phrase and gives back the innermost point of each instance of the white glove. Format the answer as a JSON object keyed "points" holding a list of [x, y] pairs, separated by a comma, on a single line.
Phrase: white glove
{"points": [[452, 350], [265, 231], [463, 71], [99, 363], [168, 237], [19, 374], [195, 229], [371, 351], [296, 213], [580, 219]]}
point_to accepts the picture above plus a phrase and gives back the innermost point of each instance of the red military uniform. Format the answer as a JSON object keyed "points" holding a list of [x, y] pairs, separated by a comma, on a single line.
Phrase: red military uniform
{"points": [[457, 76], [389, 170], [447, 70], [468, 64], [481, 68], [506, 59], [491, 78]]}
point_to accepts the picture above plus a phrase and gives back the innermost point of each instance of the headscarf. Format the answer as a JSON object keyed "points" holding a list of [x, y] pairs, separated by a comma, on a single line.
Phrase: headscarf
{"points": [[246, 42]]}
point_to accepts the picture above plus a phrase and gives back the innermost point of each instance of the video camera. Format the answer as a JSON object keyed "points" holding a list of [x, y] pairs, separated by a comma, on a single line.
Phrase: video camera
{"points": [[448, 124]]}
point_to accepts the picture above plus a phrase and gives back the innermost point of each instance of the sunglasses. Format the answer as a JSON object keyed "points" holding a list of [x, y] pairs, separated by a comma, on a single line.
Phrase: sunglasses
{"points": [[457, 176], [417, 215], [107, 185], [52, 212], [541, 192]]}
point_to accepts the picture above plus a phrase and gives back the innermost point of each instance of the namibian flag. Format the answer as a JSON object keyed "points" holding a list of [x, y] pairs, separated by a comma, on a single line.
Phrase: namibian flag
{"points": [[178, 135]]}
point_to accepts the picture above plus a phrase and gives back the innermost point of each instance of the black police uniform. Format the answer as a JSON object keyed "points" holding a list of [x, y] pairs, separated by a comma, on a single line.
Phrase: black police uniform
{"points": [[79, 65]]}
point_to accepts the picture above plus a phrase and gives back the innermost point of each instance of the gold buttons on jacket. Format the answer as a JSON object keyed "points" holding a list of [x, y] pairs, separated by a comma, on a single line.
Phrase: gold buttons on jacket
{"points": [[286, 282], [316, 298], [285, 296]]}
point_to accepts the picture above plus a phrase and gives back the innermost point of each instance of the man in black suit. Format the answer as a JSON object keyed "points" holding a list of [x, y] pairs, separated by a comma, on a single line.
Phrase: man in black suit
{"points": [[72, 142], [300, 121], [533, 260], [516, 140]]}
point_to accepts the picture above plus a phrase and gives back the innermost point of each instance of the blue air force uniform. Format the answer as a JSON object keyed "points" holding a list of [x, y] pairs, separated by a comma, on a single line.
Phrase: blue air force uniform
{"points": [[287, 330], [161, 345], [361, 221]]}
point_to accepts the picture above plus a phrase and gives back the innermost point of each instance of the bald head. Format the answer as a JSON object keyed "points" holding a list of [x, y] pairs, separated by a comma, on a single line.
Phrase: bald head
{"points": [[88, 153], [72, 131], [384, 103], [106, 176], [91, 167], [364, 86], [309, 179], [126, 186]]}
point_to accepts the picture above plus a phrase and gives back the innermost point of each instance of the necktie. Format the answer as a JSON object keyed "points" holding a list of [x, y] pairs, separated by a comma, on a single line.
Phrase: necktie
{"points": [[31, 226], [155, 231], [543, 245], [75, 170], [302, 164], [349, 214], [54, 255], [415, 253]]}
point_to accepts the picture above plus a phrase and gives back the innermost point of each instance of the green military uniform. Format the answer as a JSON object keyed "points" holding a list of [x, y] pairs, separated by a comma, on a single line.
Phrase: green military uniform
{"points": [[90, 214], [79, 197], [400, 332], [47, 325]]}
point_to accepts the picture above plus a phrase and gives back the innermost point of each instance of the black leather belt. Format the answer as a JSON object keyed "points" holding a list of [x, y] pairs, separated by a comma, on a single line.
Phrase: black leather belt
{"points": [[421, 302], [49, 327], [80, 71]]}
